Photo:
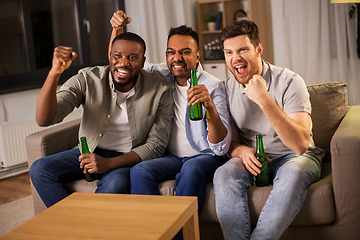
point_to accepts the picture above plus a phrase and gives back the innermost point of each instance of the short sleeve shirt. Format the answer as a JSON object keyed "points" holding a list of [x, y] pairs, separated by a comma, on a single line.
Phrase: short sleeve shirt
{"points": [[287, 89]]}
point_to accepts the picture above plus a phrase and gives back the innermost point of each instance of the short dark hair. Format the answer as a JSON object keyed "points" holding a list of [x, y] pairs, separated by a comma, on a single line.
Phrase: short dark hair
{"points": [[130, 37], [244, 27], [185, 31]]}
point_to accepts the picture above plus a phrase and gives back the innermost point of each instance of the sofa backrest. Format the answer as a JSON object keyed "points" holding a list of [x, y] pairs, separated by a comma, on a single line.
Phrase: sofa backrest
{"points": [[329, 102]]}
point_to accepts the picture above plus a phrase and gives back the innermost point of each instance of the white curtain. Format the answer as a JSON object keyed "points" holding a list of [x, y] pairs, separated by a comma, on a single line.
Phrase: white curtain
{"points": [[320, 43], [152, 19]]}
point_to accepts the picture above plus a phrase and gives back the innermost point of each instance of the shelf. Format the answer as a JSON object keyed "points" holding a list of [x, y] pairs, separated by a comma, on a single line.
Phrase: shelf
{"points": [[257, 11]]}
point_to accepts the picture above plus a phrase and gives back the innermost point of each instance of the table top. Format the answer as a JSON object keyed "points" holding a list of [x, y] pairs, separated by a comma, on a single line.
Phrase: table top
{"points": [[110, 216]]}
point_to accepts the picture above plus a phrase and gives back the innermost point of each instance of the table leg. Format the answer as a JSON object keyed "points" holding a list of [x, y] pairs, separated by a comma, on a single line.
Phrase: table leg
{"points": [[191, 228]]}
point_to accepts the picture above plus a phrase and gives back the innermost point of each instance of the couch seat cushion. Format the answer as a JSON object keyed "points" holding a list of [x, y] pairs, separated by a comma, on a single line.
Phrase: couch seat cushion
{"points": [[82, 186], [318, 208]]}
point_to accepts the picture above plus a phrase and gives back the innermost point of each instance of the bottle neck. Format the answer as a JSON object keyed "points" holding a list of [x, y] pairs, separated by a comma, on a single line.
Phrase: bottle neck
{"points": [[193, 78], [84, 146], [259, 144]]}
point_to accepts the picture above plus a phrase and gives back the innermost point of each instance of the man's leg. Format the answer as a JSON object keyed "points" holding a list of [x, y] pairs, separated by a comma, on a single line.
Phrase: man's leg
{"points": [[195, 173], [50, 174], [231, 181], [293, 175], [146, 176], [113, 181]]}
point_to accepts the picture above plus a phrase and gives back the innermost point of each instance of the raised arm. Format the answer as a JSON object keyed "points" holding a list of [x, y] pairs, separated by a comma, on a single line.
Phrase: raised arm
{"points": [[46, 102], [292, 129], [118, 21]]}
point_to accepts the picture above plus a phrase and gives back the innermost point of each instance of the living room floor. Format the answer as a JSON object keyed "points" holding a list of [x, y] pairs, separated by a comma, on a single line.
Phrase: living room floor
{"points": [[14, 188]]}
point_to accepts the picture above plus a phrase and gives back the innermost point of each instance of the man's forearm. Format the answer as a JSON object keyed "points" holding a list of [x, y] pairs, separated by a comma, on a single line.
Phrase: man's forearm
{"points": [[114, 33], [216, 128], [126, 160], [46, 101], [293, 131]]}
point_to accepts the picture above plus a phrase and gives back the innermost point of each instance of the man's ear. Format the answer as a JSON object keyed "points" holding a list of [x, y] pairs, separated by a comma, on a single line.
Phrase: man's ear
{"points": [[143, 62], [259, 50], [198, 54]]}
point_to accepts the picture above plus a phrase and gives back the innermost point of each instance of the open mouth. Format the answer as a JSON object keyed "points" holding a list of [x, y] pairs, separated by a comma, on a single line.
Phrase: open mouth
{"points": [[240, 69], [178, 66], [122, 73]]}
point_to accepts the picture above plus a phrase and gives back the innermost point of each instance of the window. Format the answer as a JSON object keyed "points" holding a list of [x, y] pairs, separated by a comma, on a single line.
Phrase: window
{"points": [[30, 29]]}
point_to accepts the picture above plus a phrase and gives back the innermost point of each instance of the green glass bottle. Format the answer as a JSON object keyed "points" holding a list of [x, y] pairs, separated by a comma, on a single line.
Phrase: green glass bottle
{"points": [[261, 179], [195, 111], [85, 149]]}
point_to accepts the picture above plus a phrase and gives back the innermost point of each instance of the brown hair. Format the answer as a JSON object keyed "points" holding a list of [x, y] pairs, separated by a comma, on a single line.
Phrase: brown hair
{"points": [[244, 27]]}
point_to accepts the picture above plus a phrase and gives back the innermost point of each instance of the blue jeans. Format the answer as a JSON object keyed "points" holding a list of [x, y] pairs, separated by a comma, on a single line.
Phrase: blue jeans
{"points": [[292, 175], [191, 175], [50, 174]]}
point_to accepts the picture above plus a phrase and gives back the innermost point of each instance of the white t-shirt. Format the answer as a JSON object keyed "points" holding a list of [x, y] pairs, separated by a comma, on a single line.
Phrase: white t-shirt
{"points": [[178, 143], [117, 136]]}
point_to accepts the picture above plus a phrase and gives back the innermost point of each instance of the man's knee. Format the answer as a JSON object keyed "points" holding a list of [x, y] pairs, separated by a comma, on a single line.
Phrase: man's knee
{"points": [[34, 170], [115, 183], [140, 170], [192, 167]]}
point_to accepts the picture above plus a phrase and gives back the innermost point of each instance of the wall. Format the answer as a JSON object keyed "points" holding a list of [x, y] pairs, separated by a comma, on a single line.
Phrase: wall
{"points": [[278, 33], [21, 105], [152, 19]]}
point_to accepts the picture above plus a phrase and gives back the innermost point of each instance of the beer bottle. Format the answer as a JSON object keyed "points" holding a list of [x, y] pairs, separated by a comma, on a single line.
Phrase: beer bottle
{"points": [[195, 111], [85, 149], [261, 179]]}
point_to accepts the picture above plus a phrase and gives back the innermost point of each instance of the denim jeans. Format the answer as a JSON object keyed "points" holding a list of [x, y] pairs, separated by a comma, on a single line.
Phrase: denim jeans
{"points": [[292, 174], [50, 174], [191, 175]]}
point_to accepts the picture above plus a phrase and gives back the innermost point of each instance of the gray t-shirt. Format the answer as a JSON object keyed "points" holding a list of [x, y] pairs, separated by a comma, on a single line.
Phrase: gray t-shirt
{"points": [[288, 90]]}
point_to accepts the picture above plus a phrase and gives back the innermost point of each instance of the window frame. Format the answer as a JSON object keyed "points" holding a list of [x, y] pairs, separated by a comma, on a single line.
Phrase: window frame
{"points": [[35, 78]]}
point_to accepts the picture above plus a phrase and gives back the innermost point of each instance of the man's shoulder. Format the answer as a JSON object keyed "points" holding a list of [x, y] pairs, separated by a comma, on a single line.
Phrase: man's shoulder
{"points": [[95, 71], [160, 69], [153, 78], [231, 84], [282, 73], [209, 80]]}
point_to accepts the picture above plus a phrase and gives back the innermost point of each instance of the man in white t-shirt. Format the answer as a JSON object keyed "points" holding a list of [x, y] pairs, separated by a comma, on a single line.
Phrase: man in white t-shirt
{"points": [[196, 148]]}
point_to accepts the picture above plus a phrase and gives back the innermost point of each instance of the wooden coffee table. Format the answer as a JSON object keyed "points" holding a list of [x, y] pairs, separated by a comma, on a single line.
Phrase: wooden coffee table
{"points": [[113, 216]]}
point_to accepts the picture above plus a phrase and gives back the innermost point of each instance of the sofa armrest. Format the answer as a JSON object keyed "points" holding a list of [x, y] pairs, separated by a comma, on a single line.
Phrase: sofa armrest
{"points": [[52, 140], [49, 141], [345, 162]]}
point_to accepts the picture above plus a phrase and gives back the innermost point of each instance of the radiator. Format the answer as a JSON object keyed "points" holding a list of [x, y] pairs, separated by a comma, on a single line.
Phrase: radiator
{"points": [[12, 139]]}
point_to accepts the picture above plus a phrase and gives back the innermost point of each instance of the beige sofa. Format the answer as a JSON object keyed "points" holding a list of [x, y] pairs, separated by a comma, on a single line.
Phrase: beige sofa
{"points": [[332, 207]]}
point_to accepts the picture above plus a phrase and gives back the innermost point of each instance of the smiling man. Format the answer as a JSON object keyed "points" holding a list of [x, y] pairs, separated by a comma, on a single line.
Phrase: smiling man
{"points": [[272, 101], [196, 148], [126, 119]]}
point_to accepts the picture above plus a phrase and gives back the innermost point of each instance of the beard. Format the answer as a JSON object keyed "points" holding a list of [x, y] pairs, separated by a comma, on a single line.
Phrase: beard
{"points": [[121, 85], [252, 68]]}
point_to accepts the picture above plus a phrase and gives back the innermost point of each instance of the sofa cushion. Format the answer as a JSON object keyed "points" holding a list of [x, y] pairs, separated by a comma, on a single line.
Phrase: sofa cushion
{"points": [[82, 186], [329, 104], [318, 208]]}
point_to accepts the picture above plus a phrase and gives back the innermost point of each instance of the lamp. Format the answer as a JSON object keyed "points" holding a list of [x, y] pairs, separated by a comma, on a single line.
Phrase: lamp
{"points": [[358, 20], [345, 1]]}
